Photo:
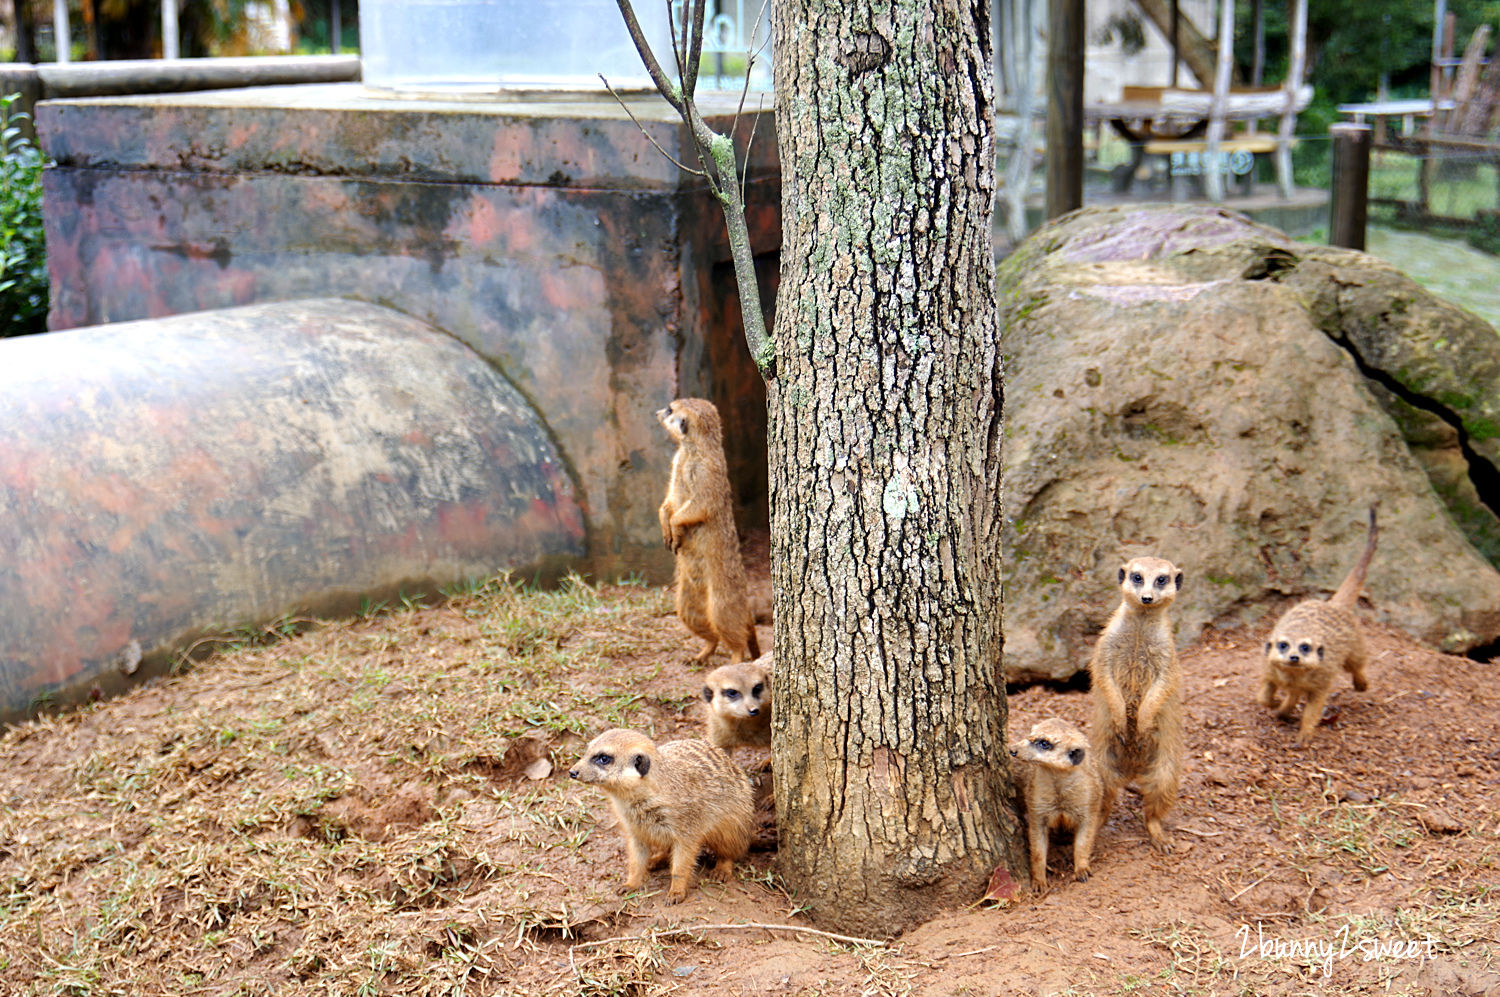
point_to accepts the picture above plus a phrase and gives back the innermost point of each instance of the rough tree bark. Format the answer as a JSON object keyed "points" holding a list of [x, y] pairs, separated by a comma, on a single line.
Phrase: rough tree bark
{"points": [[890, 764]]}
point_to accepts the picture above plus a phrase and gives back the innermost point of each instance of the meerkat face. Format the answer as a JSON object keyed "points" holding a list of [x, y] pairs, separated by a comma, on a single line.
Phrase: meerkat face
{"points": [[615, 760], [742, 690], [1293, 652], [685, 418], [1150, 581], [1054, 743], [674, 419]]}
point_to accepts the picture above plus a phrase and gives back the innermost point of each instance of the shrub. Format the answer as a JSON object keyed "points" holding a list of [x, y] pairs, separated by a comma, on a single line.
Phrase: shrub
{"points": [[23, 249]]}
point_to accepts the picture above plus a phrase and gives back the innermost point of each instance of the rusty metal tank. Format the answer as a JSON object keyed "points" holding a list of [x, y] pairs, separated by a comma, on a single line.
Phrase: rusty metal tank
{"points": [[169, 478]]}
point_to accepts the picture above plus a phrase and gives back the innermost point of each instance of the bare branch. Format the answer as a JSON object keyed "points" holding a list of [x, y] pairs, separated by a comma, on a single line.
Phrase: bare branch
{"points": [[695, 50], [643, 47], [665, 154]]}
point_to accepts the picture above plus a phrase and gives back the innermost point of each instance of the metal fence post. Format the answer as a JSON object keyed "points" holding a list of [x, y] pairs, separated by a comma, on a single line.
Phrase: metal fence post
{"points": [[1348, 205]]}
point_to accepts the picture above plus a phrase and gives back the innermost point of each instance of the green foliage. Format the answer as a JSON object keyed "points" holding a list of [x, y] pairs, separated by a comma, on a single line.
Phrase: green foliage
{"points": [[23, 251]]}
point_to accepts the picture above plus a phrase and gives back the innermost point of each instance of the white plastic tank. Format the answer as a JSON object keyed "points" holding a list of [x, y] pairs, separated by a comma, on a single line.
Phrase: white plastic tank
{"points": [[483, 46]]}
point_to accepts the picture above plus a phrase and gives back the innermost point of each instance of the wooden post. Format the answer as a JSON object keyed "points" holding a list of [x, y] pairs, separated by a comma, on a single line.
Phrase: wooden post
{"points": [[60, 32], [1288, 125], [1213, 159], [1065, 21], [1349, 204]]}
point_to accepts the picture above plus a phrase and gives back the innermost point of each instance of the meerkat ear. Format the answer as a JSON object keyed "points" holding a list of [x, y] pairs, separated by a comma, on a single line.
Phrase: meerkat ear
{"points": [[1122, 574], [642, 764], [1076, 756], [1320, 652], [708, 694], [1179, 581], [1268, 647]]}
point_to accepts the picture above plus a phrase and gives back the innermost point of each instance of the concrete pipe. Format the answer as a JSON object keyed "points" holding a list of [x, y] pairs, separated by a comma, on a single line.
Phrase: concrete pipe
{"points": [[169, 478]]}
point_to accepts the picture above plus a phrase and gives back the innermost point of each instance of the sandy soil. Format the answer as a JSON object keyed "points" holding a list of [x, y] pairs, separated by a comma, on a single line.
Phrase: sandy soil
{"points": [[381, 807]]}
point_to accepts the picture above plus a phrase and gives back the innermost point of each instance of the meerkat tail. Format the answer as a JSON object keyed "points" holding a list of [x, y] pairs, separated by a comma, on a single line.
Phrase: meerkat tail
{"points": [[752, 640], [1348, 593]]}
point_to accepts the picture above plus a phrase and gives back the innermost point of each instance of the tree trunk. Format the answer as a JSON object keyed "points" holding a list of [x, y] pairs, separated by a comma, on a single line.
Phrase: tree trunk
{"points": [[891, 776]]}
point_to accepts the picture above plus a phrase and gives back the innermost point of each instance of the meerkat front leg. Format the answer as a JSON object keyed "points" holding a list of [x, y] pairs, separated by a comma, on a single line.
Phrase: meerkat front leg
{"points": [[1083, 847], [1036, 833], [1151, 704], [1312, 713], [684, 859], [682, 520], [638, 860], [1114, 700], [1269, 693]]}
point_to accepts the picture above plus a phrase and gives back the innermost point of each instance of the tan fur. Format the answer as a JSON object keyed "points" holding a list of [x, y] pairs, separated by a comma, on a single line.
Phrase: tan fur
{"points": [[1311, 642], [675, 799], [1136, 731], [1054, 770], [737, 701], [697, 524]]}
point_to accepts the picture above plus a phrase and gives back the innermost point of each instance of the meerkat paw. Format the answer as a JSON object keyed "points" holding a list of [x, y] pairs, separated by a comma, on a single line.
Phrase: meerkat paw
{"points": [[1082, 875]]}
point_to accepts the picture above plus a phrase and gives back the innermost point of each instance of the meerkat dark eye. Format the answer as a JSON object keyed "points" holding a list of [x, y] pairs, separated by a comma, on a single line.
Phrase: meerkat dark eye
{"points": [[1304, 649], [1161, 581], [1135, 578], [1076, 756], [604, 761], [731, 694], [1042, 744], [759, 690], [1282, 646]]}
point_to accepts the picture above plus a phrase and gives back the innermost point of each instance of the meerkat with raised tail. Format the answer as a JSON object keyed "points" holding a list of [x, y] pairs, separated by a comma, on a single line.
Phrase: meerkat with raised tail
{"points": [[697, 524], [1136, 686], [673, 800], [1311, 642], [737, 700], [1061, 786]]}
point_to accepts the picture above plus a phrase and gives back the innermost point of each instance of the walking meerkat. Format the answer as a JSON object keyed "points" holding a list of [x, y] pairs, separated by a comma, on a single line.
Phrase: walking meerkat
{"points": [[1056, 774], [1311, 642], [674, 799], [737, 699], [1136, 731], [697, 524]]}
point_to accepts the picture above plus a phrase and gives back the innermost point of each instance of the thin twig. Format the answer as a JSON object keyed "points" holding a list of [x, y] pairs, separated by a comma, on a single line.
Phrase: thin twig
{"points": [[1201, 834], [694, 928], [1252, 886], [649, 138]]}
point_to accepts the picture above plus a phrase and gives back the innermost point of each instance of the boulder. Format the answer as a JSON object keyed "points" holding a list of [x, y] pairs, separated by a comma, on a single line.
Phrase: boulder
{"points": [[1172, 388]]}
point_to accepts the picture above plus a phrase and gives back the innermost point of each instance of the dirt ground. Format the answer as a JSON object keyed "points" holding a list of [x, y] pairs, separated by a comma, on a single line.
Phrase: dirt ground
{"points": [[381, 806]]}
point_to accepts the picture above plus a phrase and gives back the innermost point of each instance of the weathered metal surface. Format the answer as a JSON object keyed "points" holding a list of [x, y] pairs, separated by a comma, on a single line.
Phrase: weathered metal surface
{"points": [[552, 238], [164, 479]]}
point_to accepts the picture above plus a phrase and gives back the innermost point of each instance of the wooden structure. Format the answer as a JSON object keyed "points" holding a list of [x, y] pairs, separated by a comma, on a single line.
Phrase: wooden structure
{"points": [[1464, 123]]}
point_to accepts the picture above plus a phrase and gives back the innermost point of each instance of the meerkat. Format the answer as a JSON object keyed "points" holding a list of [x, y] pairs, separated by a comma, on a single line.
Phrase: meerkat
{"points": [[697, 524], [1311, 642], [675, 799], [737, 700], [1061, 786], [1136, 731]]}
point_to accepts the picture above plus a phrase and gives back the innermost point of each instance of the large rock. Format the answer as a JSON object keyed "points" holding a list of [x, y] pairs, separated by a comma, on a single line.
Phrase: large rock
{"points": [[1170, 390]]}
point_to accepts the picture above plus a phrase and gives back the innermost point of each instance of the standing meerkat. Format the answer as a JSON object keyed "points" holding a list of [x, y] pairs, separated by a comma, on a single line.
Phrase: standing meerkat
{"points": [[1058, 779], [1311, 642], [675, 799], [697, 524], [737, 699], [1137, 690]]}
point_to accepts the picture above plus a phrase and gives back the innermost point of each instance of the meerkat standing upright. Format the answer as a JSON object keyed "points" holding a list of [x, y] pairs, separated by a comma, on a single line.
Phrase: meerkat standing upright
{"points": [[697, 524], [678, 798], [737, 699], [1311, 642], [1061, 785], [1137, 690]]}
